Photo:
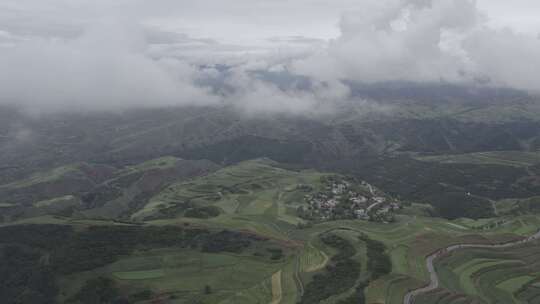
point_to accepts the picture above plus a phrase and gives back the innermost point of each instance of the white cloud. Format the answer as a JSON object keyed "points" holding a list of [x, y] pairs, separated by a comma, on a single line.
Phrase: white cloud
{"points": [[426, 41], [506, 57], [256, 96], [105, 68], [66, 53]]}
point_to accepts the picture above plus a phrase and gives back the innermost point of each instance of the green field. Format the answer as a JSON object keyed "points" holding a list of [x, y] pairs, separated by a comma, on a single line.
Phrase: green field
{"points": [[253, 195], [184, 275], [408, 241], [139, 275], [514, 284], [44, 177], [55, 201], [507, 158], [260, 198], [487, 276], [158, 163]]}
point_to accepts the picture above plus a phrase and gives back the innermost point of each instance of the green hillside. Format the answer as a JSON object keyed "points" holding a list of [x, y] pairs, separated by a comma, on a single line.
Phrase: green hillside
{"points": [[234, 235]]}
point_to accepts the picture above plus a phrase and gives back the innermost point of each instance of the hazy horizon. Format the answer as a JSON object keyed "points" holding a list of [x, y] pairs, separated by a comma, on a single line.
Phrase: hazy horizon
{"points": [[100, 55]]}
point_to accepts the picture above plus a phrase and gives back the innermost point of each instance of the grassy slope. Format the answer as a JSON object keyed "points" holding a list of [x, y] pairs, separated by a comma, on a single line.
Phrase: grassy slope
{"points": [[184, 274], [44, 177], [265, 209], [253, 195], [408, 241], [508, 158], [490, 276]]}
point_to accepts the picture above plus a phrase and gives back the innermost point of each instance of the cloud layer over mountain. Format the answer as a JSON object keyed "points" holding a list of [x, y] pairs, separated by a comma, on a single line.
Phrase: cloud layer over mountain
{"points": [[426, 41], [80, 54]]}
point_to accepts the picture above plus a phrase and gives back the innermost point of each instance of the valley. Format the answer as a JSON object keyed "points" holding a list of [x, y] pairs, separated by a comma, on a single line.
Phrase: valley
{"points": [[287, 253], [206, 206], [269, 152]]}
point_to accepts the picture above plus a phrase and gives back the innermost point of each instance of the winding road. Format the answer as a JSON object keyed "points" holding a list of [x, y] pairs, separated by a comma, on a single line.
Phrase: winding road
{"points": [[434, 278]]}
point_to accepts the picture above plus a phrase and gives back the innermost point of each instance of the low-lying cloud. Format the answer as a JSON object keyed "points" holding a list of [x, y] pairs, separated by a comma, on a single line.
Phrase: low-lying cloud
{"points": [[59, 57], [105, 68], [426, 41]]}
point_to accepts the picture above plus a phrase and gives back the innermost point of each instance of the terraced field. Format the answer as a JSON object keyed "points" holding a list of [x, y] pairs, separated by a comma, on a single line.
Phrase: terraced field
{"points": [[44, 177], [408, 242], [253, 195], [483, 273], [259, 198], [184, 275], [520, 225], [312, 259]]}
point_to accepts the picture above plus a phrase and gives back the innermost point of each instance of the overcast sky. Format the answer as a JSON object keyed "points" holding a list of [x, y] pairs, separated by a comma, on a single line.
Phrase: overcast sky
{"points": [[116, 53]]}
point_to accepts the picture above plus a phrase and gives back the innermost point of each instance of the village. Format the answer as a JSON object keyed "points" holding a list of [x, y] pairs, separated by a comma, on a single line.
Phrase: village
{"points": [[344, 199]]}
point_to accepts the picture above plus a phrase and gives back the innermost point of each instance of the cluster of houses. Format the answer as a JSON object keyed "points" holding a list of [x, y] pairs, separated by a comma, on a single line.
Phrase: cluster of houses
{"points": [[342, 199]]}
